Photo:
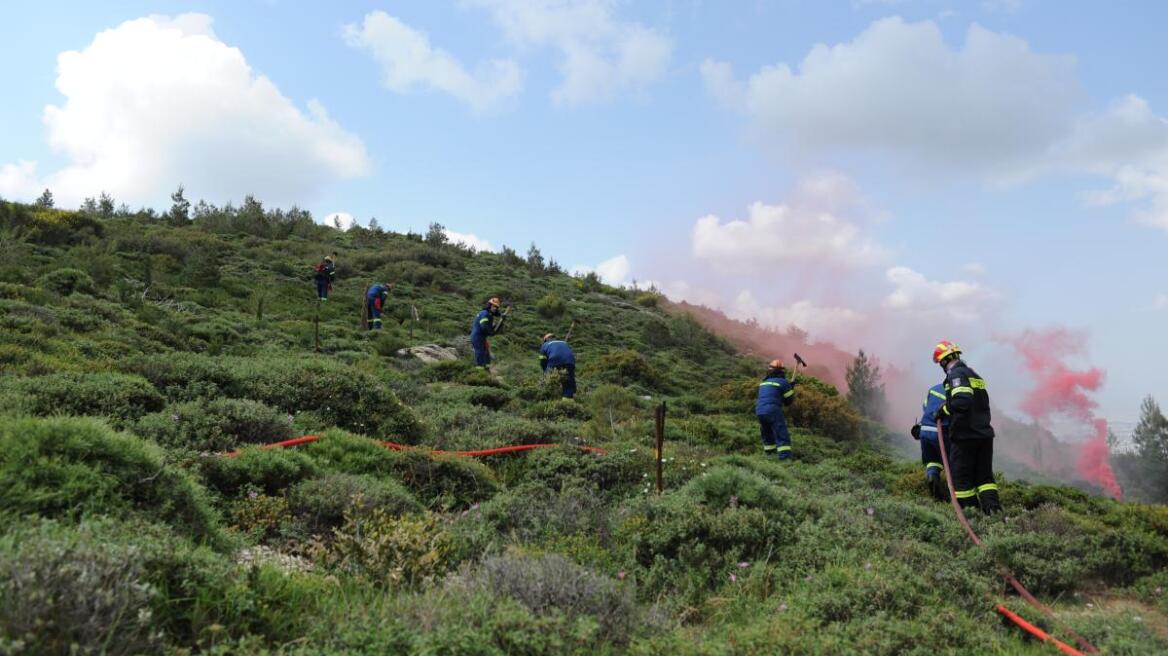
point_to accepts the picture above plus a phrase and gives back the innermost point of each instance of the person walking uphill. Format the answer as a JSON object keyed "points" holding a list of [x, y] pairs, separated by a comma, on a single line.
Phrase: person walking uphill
{"points": [[483, 327], [926, 432], [971, 437], [376, 299], [557, 355], [323, 274], [774, 392]]}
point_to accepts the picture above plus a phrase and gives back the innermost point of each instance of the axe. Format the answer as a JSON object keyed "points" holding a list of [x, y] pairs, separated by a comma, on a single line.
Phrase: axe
{"points": [[798, 362]]}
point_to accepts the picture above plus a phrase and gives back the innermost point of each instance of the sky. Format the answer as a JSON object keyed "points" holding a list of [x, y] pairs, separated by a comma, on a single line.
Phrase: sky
{"points": [[878, 173]]}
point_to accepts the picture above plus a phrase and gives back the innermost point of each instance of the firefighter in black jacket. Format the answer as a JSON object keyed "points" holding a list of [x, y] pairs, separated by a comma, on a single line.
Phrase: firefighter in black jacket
{"points": [[970, 435]]}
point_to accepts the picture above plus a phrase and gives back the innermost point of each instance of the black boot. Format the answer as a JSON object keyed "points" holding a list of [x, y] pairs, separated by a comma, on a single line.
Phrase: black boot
{"points": [[937, 487]]}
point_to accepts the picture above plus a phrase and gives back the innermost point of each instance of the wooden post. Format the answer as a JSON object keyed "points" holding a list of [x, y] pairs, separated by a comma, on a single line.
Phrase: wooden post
{"points": [[316, 326], [660, 445]]}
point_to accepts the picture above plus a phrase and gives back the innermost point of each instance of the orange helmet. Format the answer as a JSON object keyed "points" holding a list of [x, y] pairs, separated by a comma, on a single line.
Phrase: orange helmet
{"points": [[494, 301], [944, 349], [549, 336], [776, 364]]}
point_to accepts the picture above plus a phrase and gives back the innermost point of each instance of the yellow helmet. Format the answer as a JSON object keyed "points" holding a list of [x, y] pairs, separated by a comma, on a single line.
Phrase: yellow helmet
{"points": [[944, 349]]}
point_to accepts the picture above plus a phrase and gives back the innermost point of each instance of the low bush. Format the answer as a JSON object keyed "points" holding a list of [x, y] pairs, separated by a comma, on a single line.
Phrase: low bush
{"points": [[120, 397], [219, 425], [553, 585], [614, 474], [559, 410], [439, 482], [182, 376], [648, 299], [64, 593], [551, 306], [259, 515], [628, 368], [70, 468], [64, 282], [494, 399], [339, 394], [382, 549], [321, 504], [268, 470]]}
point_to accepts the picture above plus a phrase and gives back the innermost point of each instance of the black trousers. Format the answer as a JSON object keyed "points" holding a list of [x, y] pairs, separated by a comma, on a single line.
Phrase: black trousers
{"points": [[972, 462]]}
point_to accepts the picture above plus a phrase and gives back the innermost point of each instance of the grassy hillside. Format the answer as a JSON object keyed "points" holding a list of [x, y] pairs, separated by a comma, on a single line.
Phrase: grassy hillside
{"points": [[136, 350]]}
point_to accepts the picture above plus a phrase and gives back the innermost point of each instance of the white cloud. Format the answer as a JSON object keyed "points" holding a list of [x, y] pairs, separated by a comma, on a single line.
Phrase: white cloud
{"points": [[899, 88], [339, 220], [819, 321], [20, 180], [806, 228], [160, 101], [469, 240], [720, 83], [613, 271], [916, 294], [409, 61], [1161, 302], [600, 54]]}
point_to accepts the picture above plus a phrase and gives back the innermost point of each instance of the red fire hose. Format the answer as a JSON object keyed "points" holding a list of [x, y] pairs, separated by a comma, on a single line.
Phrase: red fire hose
{"points": [[1037, 632], [515, 448], [1010, 578]]}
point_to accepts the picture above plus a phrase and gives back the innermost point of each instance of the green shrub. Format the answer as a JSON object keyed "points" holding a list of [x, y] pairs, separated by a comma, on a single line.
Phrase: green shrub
{"points": [[648, 299], [438, 481], [70, 468], [408, 551], [552, 584], [559, 410], [611, 405], [830, 416], [120, 397], [457, 371], [219, 425], [340, 395], [494, 399], [259, 515], [613, 474], [49, 226], [66, 282], [551, 306], [63, 593], [321, 504], [628, 368], [183, 376], [268, 470], [388, 343]]}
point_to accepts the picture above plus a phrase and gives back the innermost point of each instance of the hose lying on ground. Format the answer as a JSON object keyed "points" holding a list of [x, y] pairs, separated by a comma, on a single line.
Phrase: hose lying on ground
{"points": [[1010, 578], [515, 448]]}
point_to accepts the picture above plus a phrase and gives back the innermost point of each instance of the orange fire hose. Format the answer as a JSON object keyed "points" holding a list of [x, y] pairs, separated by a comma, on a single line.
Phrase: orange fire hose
{"points": [[1037, 632], [1010, 578], [515, 448]]}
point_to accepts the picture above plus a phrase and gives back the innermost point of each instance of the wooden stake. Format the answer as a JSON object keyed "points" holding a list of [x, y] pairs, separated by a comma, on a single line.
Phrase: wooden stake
{"points": [[660, 445]]}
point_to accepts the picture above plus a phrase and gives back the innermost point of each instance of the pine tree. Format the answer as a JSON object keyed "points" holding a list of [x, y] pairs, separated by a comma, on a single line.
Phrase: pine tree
{"points": [[535, 259], [105, 205], [1151, 441], [46, 199], [180, 208], [436, 235], [865, 391]]}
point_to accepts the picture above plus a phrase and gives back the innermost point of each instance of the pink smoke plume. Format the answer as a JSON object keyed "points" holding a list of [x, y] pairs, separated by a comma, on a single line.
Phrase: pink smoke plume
{"points": [[1061, 390]]}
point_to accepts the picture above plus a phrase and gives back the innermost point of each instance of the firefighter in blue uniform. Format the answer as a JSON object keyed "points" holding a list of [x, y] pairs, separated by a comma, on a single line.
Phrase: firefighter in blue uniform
{"points": [[556, 354], [376, 299], [926, 432], [484, 326], [774, 392], [969, 433], [323, 274]]}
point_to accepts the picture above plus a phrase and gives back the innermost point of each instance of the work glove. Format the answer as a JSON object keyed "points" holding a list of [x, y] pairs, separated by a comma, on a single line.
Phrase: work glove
{"points": [[916, 432]]}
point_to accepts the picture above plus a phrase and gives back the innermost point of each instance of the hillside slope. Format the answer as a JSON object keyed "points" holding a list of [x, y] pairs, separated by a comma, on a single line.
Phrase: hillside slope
{"points": [[136, 352]]}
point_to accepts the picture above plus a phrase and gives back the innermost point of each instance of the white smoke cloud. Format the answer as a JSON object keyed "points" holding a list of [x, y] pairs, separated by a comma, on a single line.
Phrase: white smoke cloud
{"points": [[470, 241], [807, 228], [898, 88], [613, 271], [339, 220], [601, 55], [409, 61], [158, 101], [915, 294], [821, 322]]}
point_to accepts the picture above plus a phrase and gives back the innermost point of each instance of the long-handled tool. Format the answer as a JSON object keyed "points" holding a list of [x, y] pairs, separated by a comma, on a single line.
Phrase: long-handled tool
{"points": [[568, 335], [798, 362]]}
